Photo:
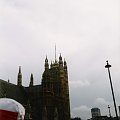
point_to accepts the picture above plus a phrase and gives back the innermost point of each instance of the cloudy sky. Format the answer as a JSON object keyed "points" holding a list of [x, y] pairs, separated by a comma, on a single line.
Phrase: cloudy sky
{"points": [[86, 32]]}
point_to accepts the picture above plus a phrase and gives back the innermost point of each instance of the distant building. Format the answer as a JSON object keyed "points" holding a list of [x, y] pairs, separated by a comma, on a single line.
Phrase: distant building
{"points": [[95, 112], [47, 101]]}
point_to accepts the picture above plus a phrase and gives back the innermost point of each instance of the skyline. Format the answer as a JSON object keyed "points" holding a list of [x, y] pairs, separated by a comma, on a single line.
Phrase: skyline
{"points": [[86, 33]]}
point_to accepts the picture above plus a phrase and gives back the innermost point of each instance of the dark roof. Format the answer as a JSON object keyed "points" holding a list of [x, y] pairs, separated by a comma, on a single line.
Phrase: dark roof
{"points": [[12, 91]]}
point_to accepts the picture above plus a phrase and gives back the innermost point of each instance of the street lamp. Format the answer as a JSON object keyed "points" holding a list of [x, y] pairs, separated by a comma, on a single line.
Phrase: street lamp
{"points": [[108, 66]]}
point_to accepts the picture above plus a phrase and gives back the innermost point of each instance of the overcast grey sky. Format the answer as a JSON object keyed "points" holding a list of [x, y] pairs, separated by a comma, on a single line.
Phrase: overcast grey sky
{"points": [[86, 32]]}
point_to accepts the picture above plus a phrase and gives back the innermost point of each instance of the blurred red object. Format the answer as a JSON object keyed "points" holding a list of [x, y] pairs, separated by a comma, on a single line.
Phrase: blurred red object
{"points": [[11, 110]]}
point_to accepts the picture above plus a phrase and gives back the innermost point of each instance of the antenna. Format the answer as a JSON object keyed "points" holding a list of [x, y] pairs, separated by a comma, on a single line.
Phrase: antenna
{"points": [[55, 52]]}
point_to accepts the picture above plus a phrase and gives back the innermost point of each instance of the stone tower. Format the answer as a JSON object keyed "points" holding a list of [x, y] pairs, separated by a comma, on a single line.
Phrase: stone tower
{"points": [[31, 80], [19, 79], [55, 89]]}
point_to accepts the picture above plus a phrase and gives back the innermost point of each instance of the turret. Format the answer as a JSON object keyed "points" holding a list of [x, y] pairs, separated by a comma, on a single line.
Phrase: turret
{"points": [[31, 80], [65, 65], [60, 61], [51, 65], [46, 78], [61, 69], [19, 79], [46, 64]]}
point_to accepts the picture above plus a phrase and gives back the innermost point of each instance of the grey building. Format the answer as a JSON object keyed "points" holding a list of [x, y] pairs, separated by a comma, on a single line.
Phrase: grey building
{"points": [[95, 112]]}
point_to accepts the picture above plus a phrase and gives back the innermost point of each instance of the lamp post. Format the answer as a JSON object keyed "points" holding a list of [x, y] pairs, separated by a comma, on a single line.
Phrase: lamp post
{"points": [[108, 66]]}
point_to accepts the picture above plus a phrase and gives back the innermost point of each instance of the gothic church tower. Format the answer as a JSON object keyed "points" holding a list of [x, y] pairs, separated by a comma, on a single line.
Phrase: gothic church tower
{"points": [[56, 90]]}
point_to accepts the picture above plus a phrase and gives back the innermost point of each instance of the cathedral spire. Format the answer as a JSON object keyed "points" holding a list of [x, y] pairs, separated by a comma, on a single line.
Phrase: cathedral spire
{"points": [[65, 65], [60, 60], [51, 65], [31, 80], [46, 63], [19, 69], [19, 80]]}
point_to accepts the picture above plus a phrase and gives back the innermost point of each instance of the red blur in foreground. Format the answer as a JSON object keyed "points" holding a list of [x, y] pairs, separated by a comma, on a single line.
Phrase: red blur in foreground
{"points": [[8, 115], [11, 110]]}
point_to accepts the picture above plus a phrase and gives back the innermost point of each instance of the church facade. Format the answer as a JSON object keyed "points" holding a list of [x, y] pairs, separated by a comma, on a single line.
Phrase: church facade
{"points": [[48, 101]]}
